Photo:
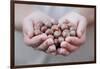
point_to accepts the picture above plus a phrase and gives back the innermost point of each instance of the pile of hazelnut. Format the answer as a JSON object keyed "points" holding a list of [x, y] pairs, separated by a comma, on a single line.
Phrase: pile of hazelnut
{"points": [[58, 32]]}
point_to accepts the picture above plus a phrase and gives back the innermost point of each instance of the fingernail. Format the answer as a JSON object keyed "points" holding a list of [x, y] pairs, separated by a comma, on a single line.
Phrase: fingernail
{"points": [[64, 52]]}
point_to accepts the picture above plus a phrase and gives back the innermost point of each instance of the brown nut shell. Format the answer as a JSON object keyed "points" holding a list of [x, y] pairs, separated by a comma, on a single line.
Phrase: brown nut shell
{"points": [[49, 31], [64, 26], [65, 33], [43, 28], [57, 34], [51, 36], [55, 27], [72, 33], [60, 39]]}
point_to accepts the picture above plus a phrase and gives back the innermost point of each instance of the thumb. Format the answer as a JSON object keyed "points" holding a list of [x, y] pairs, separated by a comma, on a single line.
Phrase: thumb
{"points": [[30, 33], [81, 27], [28, 28]]}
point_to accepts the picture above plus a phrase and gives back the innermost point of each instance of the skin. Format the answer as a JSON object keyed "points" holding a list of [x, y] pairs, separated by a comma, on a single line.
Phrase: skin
{"points": [[32, 21], [61, 51], [35, 41], [79, 19], [44, 46], [80, 22]]}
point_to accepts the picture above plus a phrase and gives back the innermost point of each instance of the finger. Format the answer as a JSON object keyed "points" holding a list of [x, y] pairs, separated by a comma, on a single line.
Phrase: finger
{"points": [[63, 51], [68, 46], [51, 49], [81, 27], [35, 41], [28, 28], [37, 25], [75, 40], [46, 44]]}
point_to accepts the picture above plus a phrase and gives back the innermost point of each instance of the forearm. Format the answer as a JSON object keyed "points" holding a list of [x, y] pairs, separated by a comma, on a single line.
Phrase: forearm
{"points": [[88, 13]]}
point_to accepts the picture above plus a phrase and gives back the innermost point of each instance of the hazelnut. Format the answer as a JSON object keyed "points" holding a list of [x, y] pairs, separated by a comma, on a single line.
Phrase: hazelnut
{"points": [[43, 28], [64, 26], [48, 24], [55, 27], [57, 33], [51, 36], [65, 33], [56, 41], [72, 28], [49, 31], [69, 25], [72, 33], [60, 39]]}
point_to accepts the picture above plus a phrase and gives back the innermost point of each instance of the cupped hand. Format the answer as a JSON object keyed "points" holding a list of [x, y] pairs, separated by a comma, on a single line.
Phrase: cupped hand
{"points": [[72, 43], [31, 30]]}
